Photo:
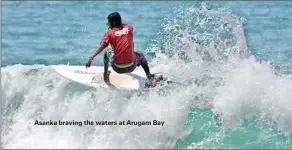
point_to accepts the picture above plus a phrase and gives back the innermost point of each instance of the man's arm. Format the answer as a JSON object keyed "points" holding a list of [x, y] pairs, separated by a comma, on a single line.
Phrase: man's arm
{"points": [[103, 44], [96, 52], [99, 49]]}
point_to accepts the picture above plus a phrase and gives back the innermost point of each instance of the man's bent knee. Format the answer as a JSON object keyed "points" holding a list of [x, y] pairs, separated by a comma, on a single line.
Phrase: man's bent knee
{"points": [[141, 58]]}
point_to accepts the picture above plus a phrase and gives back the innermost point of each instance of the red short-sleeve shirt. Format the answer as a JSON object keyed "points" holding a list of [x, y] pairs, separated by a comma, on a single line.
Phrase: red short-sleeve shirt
{"points": [[121, 40]]}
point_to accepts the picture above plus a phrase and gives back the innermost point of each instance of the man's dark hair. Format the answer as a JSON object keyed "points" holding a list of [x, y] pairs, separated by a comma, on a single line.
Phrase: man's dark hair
{"points": [[115, 19]]}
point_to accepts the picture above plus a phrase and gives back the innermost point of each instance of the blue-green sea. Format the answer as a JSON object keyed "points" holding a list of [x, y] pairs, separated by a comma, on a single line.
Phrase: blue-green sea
{"points": [[234, 57]]}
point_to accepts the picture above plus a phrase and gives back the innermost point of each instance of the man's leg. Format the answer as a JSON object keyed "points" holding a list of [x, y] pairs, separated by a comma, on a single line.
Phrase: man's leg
{"points": [[152, 79], [143, 62], [106, 63]]}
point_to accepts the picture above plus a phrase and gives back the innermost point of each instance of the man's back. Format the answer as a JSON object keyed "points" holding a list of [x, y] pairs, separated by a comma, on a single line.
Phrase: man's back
{"points": [[121, 40]]}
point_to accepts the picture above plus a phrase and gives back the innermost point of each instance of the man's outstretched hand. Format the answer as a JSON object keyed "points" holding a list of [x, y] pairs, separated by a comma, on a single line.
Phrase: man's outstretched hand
{"points": [[88, 63]]}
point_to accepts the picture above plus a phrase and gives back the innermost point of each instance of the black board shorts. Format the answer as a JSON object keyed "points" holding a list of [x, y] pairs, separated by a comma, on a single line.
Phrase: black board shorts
{"points": [[128, 68]]}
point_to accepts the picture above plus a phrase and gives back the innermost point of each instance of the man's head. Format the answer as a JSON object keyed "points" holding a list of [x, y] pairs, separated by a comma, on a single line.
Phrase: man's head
{"points": [[114, 19]]}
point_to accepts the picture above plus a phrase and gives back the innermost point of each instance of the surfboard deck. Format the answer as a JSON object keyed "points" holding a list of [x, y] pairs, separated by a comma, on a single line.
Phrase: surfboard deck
{"points": [[93, 77]]}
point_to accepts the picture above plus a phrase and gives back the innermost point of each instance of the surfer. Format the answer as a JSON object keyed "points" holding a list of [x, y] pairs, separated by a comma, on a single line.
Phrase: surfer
{"points": [[125, 59]]}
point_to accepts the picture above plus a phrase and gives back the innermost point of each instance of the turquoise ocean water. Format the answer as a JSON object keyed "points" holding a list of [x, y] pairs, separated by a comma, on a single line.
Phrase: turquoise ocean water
{"points": [[235, 56]]}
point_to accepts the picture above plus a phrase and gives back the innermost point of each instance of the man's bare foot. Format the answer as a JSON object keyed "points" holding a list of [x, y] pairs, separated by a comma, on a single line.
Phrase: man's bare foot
{"points": [[106, 76]]}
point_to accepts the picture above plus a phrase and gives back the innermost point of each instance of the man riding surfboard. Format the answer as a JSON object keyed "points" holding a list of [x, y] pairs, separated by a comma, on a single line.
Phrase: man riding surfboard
{"points": [[125, 59]]}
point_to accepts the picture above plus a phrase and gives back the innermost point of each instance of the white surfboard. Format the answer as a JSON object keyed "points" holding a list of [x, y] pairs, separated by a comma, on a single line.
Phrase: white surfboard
{"points": [[93, 77]]}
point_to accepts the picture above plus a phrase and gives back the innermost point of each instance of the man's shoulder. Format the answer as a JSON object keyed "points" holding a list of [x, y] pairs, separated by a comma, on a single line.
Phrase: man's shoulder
{"points": [[109, 31], [127, 25]]}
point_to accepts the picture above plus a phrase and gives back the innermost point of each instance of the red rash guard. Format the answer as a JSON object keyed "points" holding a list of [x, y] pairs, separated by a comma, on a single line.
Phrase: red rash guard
{"points": [[121, 40]]}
